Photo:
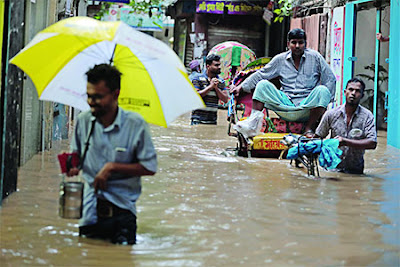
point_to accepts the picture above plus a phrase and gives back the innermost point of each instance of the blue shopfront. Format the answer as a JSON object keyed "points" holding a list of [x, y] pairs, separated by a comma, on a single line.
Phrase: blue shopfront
{"points": [[375, 61]]}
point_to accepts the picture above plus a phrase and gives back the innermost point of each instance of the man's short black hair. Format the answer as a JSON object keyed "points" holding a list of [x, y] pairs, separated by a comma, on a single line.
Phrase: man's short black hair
{"points": [[105, 72], [357, 80], [212, 57], [297, 34]]}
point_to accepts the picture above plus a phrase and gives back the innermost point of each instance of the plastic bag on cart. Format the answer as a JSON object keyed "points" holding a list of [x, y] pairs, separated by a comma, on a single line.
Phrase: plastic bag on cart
{"points": [[251, 126]]}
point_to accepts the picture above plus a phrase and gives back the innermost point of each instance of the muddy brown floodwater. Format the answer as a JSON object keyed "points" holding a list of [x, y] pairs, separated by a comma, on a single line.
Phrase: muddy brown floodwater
{"points": [[206, 207]]}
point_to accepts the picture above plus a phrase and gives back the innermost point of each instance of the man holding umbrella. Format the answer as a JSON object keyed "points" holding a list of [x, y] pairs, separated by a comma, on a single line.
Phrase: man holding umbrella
{"points": [[120, 151]]}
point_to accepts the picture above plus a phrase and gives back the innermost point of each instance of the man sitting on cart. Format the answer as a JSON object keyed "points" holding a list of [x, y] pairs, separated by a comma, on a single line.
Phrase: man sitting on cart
{"points": [[308, 86]]}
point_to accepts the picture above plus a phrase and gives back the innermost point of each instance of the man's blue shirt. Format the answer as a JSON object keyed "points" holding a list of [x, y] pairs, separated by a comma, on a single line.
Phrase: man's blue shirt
{"points": [[126, 140]]}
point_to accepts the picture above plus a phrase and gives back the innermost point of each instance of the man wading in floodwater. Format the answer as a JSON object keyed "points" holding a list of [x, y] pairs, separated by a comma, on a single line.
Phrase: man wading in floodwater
{"points": [[120, 151], [211, 88], [353, 125]]}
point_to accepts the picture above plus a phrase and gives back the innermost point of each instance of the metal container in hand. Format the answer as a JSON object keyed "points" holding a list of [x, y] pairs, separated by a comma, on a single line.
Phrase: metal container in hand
{"points": [[71, 198]]}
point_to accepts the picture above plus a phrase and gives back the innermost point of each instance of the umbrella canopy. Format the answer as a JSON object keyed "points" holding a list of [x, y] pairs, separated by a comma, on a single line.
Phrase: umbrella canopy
{"points": [[154, 81], [232, 54]]}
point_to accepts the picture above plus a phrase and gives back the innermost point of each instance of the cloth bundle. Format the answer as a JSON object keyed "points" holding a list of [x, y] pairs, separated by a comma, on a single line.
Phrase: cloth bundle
{"points": [[329, 152]]}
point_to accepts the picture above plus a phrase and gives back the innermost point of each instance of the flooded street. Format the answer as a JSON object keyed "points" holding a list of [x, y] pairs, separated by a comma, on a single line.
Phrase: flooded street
{"points": [[207, 207]]}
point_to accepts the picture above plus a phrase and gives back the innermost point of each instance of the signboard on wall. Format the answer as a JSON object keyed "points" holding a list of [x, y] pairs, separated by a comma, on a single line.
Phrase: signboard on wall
{"points": [[231, 7], [141, 21], [138, 21], [337, 44], [112, 15]]}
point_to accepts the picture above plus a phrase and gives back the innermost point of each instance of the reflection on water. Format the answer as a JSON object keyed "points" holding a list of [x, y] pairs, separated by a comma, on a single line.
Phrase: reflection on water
{"points": [[206, 207]]}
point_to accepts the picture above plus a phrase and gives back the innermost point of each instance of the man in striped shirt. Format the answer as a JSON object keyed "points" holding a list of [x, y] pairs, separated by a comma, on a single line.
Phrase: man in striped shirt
{"points": [[211, 88], [308, 85]]}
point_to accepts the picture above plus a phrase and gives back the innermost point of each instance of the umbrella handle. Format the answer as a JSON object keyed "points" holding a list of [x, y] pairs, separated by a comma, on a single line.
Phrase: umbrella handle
{"points": [[112, 56]]}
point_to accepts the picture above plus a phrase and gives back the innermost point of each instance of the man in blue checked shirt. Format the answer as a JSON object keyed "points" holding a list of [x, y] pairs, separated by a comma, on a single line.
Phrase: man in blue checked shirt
{"points": [[308, 86], [120, 151]]}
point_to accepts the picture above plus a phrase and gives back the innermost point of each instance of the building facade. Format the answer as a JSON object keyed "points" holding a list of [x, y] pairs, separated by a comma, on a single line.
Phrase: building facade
{"points": [[27, 124], [200, 25]]}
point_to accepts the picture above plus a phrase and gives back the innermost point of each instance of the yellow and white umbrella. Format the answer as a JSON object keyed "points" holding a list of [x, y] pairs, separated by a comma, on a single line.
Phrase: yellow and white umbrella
{"points": [[154, 81]]}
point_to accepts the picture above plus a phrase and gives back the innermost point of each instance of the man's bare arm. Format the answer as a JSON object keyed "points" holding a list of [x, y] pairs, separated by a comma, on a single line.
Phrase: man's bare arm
{"points": [[205, 91], [222, 94], [361, 144]]}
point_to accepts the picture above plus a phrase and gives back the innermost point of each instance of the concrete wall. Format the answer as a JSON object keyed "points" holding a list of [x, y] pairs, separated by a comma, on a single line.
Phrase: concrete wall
{"points": [[82, 8], [26, 123], [167, 33], [63, 116], [33, 122], [43, 122]]}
